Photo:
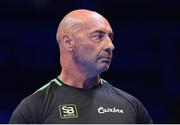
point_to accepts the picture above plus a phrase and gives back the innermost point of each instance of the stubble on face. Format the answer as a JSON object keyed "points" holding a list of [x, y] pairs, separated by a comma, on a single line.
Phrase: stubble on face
{"points": [[87, 54], [90, 55]]}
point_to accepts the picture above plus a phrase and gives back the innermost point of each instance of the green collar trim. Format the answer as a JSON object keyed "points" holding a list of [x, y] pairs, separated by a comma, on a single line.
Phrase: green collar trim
{"points": [[46, 85], [57, 82], [102, 81]]}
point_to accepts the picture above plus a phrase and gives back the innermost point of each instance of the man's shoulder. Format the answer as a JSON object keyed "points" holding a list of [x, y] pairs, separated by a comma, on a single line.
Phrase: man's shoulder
{"points": [[140, 111], [120, 93], [31, 107], [40, 94]]}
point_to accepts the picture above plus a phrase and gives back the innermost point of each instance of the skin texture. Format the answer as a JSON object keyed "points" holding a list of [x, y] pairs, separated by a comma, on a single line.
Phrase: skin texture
{"points": [[86, 48]]}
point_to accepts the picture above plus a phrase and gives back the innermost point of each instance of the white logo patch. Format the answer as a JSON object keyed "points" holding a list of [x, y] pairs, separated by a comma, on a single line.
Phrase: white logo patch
{"points": [[102, 110], [68, 111]]}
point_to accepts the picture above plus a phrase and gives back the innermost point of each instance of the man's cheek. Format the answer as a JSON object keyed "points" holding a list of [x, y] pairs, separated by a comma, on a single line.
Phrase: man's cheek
{"points": [[89, 48]]}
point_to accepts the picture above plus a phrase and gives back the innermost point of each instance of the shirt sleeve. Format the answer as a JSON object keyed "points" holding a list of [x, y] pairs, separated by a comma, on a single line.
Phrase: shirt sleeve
{"points": [[143, 116], [27, 112]]}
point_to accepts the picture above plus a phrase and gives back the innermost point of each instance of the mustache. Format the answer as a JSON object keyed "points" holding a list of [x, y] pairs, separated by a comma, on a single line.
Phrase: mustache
{"points": [[105, 54]]}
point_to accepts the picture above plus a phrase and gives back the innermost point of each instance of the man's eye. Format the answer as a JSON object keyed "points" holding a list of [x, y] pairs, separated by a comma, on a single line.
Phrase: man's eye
{"points": [[97, 37]]}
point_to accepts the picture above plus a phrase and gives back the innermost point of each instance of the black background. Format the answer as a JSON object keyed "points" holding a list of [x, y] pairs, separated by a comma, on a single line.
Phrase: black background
{"points": [[146, 59]]}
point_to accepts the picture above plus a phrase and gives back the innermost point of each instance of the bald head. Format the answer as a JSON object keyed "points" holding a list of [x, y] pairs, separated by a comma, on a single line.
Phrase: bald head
{"points": [[75, 21], [85, 41]]}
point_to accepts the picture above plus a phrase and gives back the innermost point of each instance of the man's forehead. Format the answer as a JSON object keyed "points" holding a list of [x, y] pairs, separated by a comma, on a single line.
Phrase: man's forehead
{"points": [[92, 26], [86, 20], [99, 26]]}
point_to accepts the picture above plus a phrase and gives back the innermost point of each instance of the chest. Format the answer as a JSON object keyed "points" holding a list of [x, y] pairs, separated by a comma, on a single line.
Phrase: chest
{"points": [[91, 107]]}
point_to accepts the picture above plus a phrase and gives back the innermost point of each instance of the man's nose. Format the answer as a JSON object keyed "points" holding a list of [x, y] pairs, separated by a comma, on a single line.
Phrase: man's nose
{"points": [[109, 46]]}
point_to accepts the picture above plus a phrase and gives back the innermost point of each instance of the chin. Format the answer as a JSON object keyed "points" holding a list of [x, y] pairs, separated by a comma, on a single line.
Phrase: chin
{"points": [[103, 69]]}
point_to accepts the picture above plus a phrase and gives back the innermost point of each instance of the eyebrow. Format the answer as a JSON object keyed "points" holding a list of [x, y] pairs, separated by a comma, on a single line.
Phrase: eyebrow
{"points": [[111, 34]]}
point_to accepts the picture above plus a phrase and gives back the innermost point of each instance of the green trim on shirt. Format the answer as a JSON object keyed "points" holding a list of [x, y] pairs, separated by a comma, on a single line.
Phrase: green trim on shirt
{"points": [[46, 85]]}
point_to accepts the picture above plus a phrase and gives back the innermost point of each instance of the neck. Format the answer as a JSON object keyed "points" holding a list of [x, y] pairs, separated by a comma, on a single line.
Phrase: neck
{"points": [[76, 75], [78, 79]]}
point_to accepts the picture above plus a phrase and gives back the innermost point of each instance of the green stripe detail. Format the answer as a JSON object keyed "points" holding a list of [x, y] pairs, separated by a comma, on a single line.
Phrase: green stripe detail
{"points": [[57, 82], [45, 86], [102, 81]]}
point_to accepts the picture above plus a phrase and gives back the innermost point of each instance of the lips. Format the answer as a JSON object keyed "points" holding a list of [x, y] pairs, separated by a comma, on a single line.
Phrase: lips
{"points": [[105, 58]]}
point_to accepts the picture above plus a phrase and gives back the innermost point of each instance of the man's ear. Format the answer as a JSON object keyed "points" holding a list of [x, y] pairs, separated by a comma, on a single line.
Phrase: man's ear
{"points": [[68, 42]]}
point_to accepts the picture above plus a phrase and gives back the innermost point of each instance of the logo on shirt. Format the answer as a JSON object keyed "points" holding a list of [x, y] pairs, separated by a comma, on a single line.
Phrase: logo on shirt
{"points": [[102, 110], [68, 111]]}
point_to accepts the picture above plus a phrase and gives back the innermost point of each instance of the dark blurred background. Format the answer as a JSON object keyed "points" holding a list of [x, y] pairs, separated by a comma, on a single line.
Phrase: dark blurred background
{"points": [[146, 59]]}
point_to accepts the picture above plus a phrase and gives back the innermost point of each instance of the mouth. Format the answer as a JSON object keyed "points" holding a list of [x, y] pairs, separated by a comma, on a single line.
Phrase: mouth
{"points": [[105, 59], [108, 58]]}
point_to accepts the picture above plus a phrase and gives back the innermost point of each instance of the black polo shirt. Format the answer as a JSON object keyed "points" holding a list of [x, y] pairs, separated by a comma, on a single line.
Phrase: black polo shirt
{"points": [[57, 102]]}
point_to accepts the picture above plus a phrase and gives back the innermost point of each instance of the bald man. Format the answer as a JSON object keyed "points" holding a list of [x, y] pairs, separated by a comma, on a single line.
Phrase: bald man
{"points": [[78, 94]]}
